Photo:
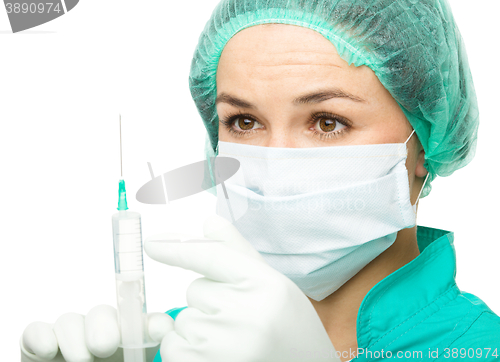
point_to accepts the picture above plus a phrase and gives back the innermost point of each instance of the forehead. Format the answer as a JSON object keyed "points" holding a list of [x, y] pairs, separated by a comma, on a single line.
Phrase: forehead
{"points": [[276, 39], [285, 57]]}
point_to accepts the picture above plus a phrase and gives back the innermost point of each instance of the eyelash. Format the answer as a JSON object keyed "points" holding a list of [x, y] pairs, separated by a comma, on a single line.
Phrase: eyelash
{"points": [[314, 117]]}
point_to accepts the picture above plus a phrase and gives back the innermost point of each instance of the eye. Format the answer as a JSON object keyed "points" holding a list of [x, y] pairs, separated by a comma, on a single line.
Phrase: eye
{"points": [[328, 124], [245, 124], [240, 124]]}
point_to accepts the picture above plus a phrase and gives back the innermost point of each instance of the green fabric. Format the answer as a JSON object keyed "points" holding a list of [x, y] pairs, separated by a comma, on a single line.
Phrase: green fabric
{"points": [[419, 308], [413, 46], [174, 312]]}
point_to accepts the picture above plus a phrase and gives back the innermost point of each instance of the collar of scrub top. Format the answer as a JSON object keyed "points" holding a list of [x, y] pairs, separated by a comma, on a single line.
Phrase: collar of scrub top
{"points": [[410, 295]]}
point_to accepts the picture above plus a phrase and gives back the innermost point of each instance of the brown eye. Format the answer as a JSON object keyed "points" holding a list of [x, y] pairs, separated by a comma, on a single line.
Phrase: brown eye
{"points": [[245, 123], [329, 125]]}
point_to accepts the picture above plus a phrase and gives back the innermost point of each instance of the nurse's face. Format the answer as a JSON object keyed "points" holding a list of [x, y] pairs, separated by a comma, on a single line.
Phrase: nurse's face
{"points": [[282, 85]]}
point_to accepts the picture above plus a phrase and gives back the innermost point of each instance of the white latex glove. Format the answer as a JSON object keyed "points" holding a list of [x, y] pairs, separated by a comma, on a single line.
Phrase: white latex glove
{"points": [[242, 310], [77, 338]]}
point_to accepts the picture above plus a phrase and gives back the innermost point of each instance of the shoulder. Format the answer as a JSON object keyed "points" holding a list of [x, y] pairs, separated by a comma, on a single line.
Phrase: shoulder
{"points": [[481, 340], [486, 324]]}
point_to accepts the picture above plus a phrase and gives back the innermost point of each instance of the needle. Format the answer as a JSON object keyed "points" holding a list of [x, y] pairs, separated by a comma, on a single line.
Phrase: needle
{"points": [[121, 165]]}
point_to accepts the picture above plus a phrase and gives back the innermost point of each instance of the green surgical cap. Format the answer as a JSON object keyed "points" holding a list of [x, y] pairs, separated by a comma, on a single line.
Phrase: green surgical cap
{"points": [[413, 46]]}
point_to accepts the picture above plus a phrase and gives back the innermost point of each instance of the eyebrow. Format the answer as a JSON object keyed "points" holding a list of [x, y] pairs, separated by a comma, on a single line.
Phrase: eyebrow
{"points": [[310, 98]]}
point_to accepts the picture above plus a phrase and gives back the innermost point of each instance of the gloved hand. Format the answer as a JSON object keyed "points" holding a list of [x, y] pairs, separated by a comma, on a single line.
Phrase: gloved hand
{"points": [[77, 338], [242, 310]]}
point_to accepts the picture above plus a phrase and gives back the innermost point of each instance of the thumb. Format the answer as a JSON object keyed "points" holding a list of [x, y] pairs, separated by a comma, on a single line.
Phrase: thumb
{"points": [[159, 324], [219, 228], [39, 339]]}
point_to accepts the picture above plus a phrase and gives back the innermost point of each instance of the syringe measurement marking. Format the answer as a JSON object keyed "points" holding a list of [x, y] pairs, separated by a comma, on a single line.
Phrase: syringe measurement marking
{"points": [[131, 270]]}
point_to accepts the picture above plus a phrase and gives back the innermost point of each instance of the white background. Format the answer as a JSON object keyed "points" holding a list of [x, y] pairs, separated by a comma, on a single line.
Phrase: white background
{"points": [[62, 86]]}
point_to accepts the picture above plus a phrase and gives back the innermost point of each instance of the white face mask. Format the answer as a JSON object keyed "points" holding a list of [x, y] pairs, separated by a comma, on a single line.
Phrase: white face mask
{"points": [[318, 215]]}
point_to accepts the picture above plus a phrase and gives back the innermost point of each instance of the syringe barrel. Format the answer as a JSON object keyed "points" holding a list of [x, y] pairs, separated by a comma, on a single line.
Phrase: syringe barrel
{"points": [[130, 287], [127, 240]]}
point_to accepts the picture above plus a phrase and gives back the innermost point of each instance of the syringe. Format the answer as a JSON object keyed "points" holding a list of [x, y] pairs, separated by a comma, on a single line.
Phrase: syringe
{"points": [[129, 272]]}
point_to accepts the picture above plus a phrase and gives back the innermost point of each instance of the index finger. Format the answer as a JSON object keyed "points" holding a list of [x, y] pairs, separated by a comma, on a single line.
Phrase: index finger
{"points": [[211, 258]]}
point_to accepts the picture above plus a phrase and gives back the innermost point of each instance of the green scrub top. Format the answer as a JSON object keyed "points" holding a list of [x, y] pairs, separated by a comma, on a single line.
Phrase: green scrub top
{"points": [[418, 313]]}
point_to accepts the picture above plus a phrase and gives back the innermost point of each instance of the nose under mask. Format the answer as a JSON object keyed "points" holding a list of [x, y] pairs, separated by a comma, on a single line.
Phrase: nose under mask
{"points": [[318, 215]]}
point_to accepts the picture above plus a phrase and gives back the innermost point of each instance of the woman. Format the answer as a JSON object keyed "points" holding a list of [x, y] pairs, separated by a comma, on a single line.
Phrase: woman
{"points": [[345, 86]]}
